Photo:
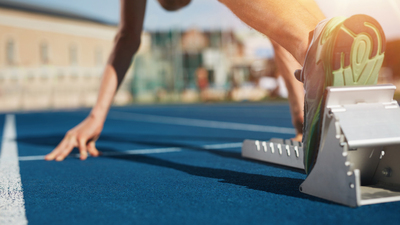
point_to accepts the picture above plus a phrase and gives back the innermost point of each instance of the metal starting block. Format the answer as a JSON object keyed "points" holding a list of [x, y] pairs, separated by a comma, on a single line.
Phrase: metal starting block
{"points": [[278, 151], [359, 152]]}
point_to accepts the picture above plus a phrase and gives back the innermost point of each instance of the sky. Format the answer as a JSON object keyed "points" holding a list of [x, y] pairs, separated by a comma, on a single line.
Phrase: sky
{"points": [[209, 14]]}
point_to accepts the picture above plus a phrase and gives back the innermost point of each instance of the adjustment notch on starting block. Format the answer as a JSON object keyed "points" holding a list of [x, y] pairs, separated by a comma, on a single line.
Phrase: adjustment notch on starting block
{"points": [[278, 151]]}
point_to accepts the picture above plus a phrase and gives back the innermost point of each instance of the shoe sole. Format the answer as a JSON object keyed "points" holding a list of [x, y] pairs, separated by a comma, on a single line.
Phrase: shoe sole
{"points": [[353, 56]]}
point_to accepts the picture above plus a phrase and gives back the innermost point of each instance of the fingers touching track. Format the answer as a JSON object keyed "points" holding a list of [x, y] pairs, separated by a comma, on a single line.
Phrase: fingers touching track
{"points": [[83, 136]]}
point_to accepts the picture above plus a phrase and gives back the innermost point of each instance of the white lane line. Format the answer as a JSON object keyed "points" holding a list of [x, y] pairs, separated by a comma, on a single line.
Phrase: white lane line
{"points": [[221, 146], [141, 151], [128, 152], [198, 123], [31, 158], [12, 204]]}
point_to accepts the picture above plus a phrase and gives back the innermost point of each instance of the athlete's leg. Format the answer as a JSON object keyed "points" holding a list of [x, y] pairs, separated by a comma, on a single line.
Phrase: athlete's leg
{"points": [[342, 51], [286, 64], [286, 22], [313, 8], [172, 5]]}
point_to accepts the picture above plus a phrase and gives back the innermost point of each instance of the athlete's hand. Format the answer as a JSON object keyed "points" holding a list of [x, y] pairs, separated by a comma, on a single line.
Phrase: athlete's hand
{"points": [[83, 136]]}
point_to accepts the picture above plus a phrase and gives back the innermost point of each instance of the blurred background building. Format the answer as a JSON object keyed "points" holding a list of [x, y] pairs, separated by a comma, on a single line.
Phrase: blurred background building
{"points": [[193, 65], [52, 55], [49, 58]]}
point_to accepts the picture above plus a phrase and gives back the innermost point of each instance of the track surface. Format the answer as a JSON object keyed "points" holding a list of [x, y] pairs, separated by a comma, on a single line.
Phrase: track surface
{"points": [[183, 171]]}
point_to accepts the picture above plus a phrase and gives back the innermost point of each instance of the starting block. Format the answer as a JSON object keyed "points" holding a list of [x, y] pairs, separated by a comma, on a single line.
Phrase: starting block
{"points": [[359, 155]]}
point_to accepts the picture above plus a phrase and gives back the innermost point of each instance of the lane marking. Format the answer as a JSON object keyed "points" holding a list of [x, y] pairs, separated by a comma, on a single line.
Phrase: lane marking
{"points": [[198, 123], [12, 204], [31, 158], [128, 152], [221, 146], [141, 151]]}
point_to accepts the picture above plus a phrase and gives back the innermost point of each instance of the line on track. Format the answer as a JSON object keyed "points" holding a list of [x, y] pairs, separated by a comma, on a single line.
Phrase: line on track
{"points": [[12, 204], [128, 152], [117, 115], [221, 146], [141, 151]]}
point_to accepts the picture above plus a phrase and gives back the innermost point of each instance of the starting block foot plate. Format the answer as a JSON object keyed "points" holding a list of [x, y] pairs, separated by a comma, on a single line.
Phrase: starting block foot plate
{"points": [[358, 162]]}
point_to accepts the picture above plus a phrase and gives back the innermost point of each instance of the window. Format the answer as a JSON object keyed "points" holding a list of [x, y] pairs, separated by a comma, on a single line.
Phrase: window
{"points": [[10, 52], [60, 75], [73, 55], [98, 56], [44, 53]]}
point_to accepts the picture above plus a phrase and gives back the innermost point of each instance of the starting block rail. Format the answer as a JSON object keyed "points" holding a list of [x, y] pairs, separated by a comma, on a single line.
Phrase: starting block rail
{"points": [[278, 151], [359, 152]]}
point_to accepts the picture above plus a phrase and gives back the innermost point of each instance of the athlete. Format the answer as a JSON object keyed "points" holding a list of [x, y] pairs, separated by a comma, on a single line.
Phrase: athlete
{"points": [[332, 52]]}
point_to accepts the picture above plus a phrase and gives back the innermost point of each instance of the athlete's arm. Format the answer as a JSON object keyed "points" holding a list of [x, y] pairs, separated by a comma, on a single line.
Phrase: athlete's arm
{"points": [[126, 43]]}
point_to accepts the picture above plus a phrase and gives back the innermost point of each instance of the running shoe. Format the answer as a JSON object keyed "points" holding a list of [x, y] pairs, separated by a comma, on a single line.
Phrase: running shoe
{"points": [[342, 52]]}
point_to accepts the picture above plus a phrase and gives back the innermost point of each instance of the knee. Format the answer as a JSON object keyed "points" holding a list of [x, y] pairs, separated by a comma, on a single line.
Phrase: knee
{"points": [[172, 5]]}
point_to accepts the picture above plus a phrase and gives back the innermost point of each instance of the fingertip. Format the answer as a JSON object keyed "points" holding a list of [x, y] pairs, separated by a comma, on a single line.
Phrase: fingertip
{"points": [[61, 157], [92, 150], [83, 155], [96, 153], [51, 156]]}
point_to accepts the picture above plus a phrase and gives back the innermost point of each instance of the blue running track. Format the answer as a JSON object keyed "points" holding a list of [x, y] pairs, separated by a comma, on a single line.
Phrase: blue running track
{"points": [[172, 164]]}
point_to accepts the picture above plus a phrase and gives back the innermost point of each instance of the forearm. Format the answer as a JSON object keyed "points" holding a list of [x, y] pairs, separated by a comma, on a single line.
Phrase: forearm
{"points": [[108, 88], [126, 43], [113, 75]]}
